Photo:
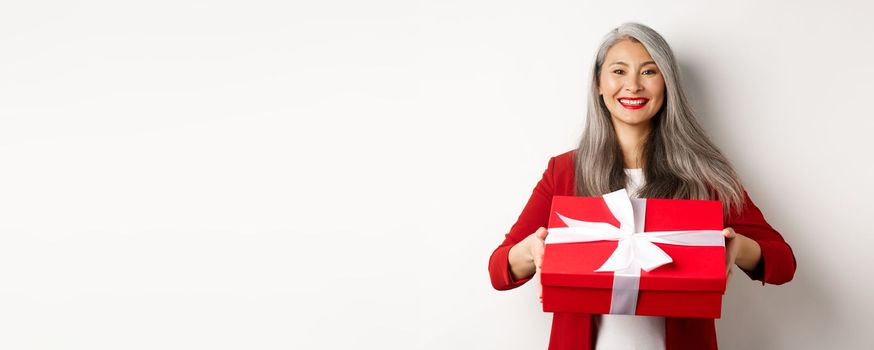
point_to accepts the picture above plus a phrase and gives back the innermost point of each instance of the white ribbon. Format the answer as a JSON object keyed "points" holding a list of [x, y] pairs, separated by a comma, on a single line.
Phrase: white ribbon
{"points": [[635, 250]]}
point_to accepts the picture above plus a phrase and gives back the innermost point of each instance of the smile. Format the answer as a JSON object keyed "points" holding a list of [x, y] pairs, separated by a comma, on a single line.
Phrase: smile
{"points": [[633, 103]]}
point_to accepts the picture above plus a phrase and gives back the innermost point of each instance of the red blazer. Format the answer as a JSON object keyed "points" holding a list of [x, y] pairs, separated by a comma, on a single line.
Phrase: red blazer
{"points": [[576, 331]]}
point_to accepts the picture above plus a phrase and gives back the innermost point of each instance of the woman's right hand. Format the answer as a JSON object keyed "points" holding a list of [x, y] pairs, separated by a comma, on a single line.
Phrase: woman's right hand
{"points": [[527, 255]]}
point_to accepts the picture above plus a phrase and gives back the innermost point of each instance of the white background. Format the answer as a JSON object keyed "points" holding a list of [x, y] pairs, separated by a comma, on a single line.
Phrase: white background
{"points": [[335, 174]]}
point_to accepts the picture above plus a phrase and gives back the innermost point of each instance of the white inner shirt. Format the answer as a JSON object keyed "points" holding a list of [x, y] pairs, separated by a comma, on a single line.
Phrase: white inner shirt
{"points": [[626, 332]]}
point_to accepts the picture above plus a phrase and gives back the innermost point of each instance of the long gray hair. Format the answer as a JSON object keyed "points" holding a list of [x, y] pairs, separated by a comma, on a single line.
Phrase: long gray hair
{"points": [[680, 161]]}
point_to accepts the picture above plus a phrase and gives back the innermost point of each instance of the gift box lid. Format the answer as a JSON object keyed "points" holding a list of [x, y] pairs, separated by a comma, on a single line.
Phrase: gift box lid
{"points": [[694, 268]]}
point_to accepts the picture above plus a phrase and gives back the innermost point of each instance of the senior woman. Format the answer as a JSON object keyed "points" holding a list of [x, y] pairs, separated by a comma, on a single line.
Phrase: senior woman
{"points": [[641, 135]]}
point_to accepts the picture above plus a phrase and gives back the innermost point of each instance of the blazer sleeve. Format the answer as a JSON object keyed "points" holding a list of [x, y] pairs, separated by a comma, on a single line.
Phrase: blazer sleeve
{"points": [[533, 216], [777, 265]]}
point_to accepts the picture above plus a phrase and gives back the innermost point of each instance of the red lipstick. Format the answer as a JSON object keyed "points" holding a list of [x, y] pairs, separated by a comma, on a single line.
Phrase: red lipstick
{"points": [[633, 106]]}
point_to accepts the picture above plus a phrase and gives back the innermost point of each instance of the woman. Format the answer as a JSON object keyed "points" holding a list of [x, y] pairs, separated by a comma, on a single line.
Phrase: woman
{"points": [[641, 135]]}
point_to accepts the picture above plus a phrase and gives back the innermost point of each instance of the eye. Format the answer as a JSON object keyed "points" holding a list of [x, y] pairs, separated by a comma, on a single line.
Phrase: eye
{"points": [[618, 71], [649, 70]]}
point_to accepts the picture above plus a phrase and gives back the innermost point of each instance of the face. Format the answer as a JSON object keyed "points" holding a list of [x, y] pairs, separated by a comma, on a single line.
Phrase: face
{"points": [[631, 84]]}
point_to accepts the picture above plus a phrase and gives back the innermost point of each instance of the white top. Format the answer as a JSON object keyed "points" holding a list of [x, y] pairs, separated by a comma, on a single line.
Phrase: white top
{"points": [[627, 332]]}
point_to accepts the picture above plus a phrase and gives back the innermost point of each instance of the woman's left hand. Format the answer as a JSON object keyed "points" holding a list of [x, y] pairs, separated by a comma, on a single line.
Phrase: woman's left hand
{"points": [[740, 250], [732, 249]]}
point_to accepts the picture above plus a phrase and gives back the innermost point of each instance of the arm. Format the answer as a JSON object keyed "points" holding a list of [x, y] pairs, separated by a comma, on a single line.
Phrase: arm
{"points": [[503, 264], [763, 253]]}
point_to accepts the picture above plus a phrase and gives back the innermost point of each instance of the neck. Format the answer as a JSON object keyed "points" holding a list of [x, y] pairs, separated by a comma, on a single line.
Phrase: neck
{"points": [[631, 140]]}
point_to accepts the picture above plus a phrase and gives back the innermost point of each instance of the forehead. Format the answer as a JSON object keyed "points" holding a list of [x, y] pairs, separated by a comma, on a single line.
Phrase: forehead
{"points": [[628, 52]]}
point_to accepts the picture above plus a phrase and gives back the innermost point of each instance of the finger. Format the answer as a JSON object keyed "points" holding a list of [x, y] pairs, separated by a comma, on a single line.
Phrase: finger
{"points": [[537, 250], [541, 233], [729, 261], [728, 232]]}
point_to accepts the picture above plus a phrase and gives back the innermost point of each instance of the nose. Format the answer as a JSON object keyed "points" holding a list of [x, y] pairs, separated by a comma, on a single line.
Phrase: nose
{"points": [[632, 84]]}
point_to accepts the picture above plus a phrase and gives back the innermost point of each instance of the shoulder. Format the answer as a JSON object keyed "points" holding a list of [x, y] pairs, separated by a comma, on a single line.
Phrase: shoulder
{"points": [[563, 162], [747, 211], [561, 172]]}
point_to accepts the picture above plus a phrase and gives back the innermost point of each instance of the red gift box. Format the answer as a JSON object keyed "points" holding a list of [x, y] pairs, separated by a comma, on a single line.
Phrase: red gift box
{"points": [[690, 284]]}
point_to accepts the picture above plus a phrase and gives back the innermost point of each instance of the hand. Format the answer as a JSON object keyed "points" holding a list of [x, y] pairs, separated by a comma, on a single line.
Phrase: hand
{"points": [[536, 247], [527, 255], [732, 248], [535, 244]]}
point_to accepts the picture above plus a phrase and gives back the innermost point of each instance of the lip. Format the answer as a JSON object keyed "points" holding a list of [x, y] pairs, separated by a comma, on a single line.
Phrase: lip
{"points": [[646, 100]]}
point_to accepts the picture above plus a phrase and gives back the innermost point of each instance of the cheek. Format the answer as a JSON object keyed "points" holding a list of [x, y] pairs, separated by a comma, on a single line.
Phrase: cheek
{"points": [[658, 88], [608, 87]]}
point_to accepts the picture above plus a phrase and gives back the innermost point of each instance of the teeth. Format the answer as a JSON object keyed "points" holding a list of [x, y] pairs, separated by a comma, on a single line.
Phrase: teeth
{"points": [[632, 103]]}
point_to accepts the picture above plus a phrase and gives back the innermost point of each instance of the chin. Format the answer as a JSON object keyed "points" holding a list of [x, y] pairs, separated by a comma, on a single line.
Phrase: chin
{"points": [[635, 122]]}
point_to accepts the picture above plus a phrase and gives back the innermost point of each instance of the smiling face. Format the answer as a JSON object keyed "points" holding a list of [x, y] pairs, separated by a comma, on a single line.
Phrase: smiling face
{"points": [[631, 84]]}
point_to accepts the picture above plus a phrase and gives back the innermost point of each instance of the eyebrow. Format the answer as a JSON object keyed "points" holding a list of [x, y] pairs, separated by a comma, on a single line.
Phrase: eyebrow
{"points": [[626, 64]]}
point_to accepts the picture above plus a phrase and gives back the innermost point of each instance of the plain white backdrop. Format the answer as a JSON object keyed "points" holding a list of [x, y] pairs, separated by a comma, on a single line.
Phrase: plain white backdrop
{"points": [[335, 174]]}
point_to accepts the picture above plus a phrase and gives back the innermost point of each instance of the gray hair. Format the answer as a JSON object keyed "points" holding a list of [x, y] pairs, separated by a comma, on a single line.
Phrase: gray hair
{"points": [[680, 161]]}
